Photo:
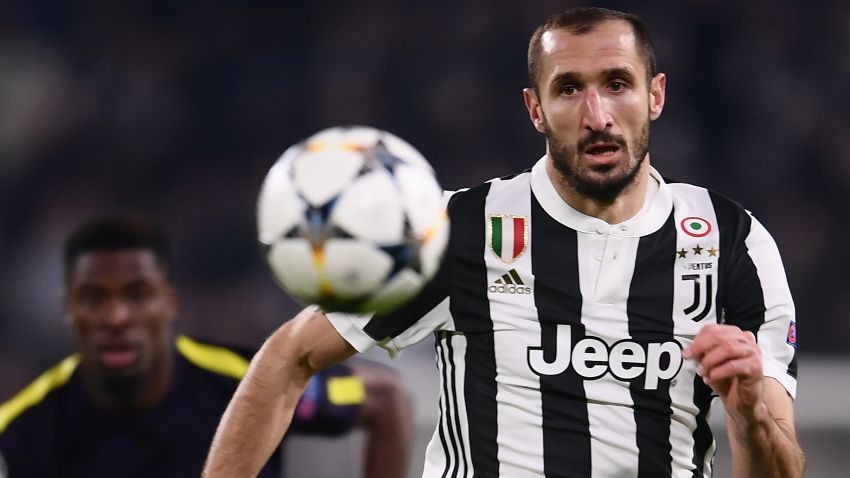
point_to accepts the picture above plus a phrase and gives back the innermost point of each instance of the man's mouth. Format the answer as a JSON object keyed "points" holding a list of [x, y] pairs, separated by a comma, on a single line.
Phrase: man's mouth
{"points": [[602, 150], [117, 355]]}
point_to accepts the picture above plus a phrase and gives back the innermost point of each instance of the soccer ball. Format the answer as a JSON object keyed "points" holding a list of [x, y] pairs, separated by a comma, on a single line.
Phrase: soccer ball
{"points": [[352, 219]]}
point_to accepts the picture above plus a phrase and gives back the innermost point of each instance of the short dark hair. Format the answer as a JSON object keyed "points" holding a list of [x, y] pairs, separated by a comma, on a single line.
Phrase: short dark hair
{"points": [[583, 20], [117, 234]]}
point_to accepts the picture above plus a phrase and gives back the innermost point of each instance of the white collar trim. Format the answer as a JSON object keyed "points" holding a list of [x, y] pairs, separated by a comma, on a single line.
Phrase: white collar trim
{"points": [[646, 221]]}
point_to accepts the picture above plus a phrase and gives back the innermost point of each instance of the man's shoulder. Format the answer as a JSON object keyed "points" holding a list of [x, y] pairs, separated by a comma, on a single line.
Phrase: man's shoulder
{"points": [[686, 192], [732, 219], [460, 197], [40, 396], [222, 361]]}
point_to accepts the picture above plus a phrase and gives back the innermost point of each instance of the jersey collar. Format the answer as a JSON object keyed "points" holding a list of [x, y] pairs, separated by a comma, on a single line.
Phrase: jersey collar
{"points": [[650, 218]]}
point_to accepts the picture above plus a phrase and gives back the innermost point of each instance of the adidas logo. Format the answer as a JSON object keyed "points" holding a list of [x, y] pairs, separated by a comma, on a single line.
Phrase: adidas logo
{"points": [[510, 283]]}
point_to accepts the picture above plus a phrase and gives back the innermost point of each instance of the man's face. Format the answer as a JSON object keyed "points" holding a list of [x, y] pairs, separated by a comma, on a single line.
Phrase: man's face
{"points": [[594, 105], [121, 305]]}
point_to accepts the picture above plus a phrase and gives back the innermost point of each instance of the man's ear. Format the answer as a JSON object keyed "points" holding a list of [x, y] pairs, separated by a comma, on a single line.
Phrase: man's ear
{"points": [[657, 92], [535, 111]]}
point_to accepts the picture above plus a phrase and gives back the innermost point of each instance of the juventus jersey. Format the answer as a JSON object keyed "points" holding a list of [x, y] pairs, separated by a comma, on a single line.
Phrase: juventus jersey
{"points": [[559, 336]]}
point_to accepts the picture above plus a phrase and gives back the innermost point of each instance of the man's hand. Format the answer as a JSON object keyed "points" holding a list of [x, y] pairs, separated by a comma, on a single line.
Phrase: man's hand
{"points": [[730, 362], [760, 413]]}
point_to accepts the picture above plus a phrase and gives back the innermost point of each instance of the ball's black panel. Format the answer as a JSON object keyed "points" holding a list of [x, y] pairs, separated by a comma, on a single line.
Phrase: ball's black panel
{"points": [[316, 225], [405, 254]]}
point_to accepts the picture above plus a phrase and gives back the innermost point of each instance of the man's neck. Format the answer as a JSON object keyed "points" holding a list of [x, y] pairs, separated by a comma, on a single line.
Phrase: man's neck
{"points": [[625, 206]]}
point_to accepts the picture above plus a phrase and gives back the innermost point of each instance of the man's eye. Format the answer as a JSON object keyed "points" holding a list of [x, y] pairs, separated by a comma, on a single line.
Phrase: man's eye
{"points": [[569, 90], [617, 85], [138, 295], [91, 297]]}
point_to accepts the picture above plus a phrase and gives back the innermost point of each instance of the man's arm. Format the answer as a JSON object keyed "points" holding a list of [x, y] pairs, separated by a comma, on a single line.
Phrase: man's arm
{"points": [[759, 412], [767, 445], [387, 416], [261, 409]]}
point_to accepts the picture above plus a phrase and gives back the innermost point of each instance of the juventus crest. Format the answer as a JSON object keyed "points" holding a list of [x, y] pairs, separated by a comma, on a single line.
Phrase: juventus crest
{"points": [[697, 260]]}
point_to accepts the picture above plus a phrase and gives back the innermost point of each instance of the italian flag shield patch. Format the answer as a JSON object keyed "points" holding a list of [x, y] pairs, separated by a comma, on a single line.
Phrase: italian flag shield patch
{"points": [[508, 236]]}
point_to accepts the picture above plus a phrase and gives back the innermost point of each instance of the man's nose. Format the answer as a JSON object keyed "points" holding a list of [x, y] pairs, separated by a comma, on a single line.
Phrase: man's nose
{"points": [[118, 314], [595, 116]]}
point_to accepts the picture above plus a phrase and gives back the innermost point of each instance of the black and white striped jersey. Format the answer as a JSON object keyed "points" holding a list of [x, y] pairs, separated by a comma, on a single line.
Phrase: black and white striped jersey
{"points": [[559, 336]]}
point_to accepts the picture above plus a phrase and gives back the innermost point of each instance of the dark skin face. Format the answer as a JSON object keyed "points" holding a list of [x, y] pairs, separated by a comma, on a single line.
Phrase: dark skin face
{"points": [[121, 306]]}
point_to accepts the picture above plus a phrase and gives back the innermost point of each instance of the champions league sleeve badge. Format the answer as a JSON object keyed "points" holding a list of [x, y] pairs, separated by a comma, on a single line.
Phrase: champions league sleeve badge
{"points": [[792, 335]]}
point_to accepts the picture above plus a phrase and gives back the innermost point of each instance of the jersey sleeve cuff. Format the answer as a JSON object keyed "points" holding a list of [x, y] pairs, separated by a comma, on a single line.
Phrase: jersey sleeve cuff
{"points": [[779, 372], [350, 327]]}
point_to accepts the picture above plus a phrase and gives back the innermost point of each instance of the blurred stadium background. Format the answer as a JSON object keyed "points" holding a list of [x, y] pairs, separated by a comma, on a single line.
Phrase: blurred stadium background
{"points": [[176, 108]]}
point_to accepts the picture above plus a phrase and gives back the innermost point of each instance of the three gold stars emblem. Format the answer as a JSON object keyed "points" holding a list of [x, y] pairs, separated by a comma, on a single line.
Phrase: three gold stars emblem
{"points": [[697, 251]]}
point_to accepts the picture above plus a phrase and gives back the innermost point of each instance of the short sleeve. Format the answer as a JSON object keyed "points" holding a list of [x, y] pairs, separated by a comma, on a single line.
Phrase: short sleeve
{"points": [[759, 300], [426, 313]]}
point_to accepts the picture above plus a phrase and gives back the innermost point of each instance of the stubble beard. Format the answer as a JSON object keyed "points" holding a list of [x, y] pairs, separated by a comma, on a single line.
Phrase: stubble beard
{"points": [[125, 390], [607, 186]]}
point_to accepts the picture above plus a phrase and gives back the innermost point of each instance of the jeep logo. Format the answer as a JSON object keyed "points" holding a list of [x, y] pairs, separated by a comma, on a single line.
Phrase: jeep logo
{"points": [[626, 360]]}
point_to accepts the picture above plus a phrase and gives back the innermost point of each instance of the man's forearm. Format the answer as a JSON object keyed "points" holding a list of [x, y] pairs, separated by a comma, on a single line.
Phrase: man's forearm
{"points": [[764, 447], [258, 415]]}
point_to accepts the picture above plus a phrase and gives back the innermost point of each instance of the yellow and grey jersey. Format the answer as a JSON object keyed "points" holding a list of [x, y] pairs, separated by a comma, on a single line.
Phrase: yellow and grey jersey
{"points": [[53, 427]]}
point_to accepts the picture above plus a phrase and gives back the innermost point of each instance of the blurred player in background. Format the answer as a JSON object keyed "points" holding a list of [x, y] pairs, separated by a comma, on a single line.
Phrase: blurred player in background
{"points": [[587, 312], [136, 401]]}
